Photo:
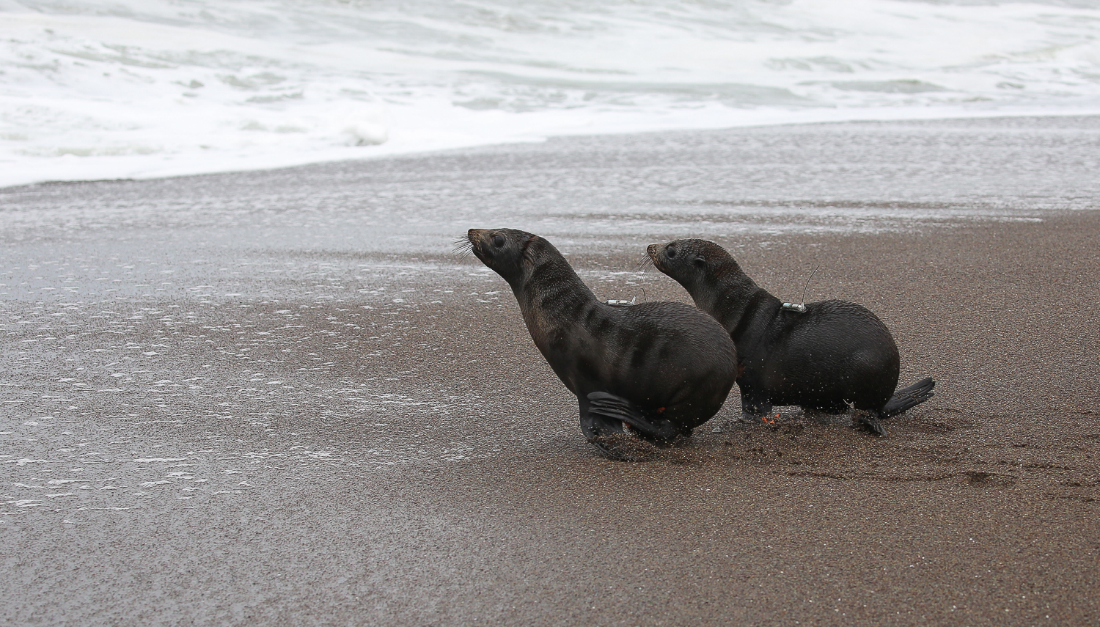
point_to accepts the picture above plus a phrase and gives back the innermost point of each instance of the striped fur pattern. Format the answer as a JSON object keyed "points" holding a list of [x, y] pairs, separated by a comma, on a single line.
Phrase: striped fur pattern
{"points": [[670, 361]]}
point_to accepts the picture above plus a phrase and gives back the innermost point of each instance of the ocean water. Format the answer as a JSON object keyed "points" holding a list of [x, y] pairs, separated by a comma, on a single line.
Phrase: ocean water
{"points": [[147, 88]]}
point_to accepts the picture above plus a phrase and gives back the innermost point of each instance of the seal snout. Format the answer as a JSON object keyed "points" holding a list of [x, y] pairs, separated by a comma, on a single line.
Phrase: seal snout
{"points": [[477, 239], [654, 251]]}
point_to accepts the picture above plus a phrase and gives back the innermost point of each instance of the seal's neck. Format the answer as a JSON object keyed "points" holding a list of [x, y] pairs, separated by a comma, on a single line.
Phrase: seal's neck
{"points": [[729, 295], [549, 292]]}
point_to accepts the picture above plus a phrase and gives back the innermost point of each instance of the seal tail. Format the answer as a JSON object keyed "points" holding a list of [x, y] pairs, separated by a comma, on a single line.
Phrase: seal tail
{"points": [[909, 397], [617, 408]]}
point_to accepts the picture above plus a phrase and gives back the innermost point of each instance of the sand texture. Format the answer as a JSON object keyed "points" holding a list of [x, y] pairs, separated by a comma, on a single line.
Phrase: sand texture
{"points": [[279, 398]]}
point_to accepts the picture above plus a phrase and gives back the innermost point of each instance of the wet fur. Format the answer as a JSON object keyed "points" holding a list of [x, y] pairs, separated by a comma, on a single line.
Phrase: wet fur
{"points": [[670, 361], [834, 355]]}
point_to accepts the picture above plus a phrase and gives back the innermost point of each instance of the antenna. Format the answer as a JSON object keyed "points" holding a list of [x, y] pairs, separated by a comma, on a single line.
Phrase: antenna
{"points": [[801, 307], [807, 285]]}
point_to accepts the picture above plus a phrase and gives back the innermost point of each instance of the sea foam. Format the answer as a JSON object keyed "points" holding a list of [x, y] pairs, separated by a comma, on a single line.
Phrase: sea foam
{"points": [[146, 88]]}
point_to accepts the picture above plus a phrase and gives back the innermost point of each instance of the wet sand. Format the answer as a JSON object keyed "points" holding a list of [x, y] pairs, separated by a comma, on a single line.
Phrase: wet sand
{"points": [[278, 398]]}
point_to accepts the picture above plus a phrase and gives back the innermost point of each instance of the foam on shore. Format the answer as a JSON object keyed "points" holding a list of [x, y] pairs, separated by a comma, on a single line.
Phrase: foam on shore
{"points": [[131, 89]]}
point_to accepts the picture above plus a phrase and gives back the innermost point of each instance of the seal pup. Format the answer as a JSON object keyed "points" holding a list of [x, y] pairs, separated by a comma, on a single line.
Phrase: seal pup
{"points": [[655, 370], [821, 356]]}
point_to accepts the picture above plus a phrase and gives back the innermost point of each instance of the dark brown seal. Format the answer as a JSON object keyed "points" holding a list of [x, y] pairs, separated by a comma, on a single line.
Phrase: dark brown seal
{"points": [[821, 356], [661, 368]]}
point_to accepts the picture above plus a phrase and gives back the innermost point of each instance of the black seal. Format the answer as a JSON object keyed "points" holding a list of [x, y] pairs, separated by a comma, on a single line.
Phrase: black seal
{"points": [[823, 356], [654, 370]]}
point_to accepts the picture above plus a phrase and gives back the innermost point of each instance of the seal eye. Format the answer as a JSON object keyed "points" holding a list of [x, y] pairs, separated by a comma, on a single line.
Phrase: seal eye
{"points": [[498, 240], [671, 252]]}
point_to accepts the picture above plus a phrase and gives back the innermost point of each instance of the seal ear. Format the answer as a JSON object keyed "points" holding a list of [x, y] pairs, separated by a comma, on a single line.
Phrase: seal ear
{"points": [[699, 261], [523, 249]]}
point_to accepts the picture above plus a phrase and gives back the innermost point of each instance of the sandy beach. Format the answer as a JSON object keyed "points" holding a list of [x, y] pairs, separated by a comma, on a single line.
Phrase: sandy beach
{"points": [[280, 397]]}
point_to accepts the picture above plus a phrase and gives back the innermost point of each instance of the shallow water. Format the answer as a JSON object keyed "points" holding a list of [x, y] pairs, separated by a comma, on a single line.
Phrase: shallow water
{"points": [[857, 177], [135, 312]]}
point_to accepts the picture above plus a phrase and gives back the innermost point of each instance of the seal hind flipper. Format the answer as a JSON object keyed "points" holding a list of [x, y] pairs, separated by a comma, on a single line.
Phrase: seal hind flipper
{"points": [[617, 408], [907, 398]]}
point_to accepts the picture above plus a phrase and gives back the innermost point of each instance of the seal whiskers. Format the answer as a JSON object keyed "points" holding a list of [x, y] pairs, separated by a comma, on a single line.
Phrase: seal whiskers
{"points": [[463, 248]]}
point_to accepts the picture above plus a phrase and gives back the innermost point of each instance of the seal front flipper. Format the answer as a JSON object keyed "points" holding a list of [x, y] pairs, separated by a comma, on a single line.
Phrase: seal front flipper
{"points": [[755, 406], [870, 422], [611, 407], [907, 398]]}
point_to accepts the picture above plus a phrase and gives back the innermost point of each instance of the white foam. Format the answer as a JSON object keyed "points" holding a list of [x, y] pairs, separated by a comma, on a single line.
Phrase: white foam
{"points": [[156, 87], [146, 460]]}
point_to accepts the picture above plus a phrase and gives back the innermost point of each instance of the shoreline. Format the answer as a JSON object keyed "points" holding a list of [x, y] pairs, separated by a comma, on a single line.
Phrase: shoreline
{"points": [[100, 174], [218, 406]]}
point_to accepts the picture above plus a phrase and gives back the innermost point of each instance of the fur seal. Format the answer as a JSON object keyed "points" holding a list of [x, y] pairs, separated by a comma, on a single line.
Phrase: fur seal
{"points": [[820, 356], [661, 368]]}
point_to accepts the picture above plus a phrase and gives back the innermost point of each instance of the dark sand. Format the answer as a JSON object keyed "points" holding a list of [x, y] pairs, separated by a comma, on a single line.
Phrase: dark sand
{"points": [[277, 398]]}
